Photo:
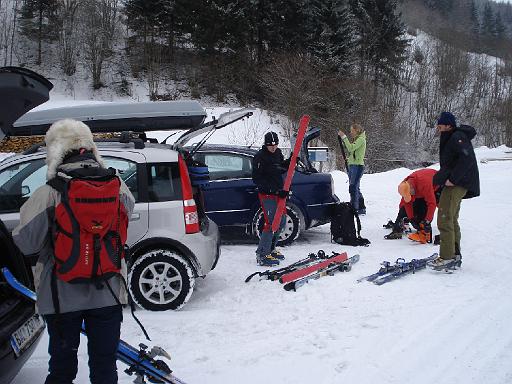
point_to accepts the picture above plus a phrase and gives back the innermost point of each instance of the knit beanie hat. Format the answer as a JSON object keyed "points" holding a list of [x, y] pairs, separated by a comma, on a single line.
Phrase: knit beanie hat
{"points": [[447, 118], [271, 138]]}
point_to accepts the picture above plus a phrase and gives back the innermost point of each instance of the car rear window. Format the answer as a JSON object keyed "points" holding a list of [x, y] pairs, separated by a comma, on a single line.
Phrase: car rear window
{"points": [[164, 182]]}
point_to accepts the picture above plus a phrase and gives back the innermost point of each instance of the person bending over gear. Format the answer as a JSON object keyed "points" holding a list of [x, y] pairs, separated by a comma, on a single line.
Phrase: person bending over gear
{"points": [[268, 166], [417, 206], [76, 225]]}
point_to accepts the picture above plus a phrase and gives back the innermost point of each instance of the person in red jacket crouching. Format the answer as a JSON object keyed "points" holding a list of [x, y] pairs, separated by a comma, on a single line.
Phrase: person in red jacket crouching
{"points": [[417, 206]]}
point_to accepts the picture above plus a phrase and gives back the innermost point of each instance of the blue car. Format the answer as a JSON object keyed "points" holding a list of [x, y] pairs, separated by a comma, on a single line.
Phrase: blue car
{"points": [[231, 198]]}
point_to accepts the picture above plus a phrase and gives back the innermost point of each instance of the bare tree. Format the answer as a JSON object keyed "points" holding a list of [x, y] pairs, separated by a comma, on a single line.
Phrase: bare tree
{"points": [[8, 18], [292, 85], [68, 40], [99, 32]]}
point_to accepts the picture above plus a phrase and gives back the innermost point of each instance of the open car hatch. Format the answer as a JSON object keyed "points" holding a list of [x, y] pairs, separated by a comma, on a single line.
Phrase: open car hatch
{"points": [[20, 91], [210, 127]]}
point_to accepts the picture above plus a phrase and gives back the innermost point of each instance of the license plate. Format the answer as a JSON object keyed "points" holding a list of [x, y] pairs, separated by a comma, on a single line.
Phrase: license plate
{"points": [[23, 337]]}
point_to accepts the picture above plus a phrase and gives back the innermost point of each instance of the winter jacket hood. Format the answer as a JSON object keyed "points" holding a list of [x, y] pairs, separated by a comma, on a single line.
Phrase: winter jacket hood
{"points": [[457, 160], [63, 137]]}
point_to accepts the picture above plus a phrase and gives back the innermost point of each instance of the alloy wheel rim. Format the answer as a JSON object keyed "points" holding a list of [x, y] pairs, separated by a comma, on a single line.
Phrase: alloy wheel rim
{"points": [[160, 283]]}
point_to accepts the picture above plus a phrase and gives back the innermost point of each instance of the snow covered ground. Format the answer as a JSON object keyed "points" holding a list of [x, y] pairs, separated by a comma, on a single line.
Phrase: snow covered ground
{"points": [[425, 328]]}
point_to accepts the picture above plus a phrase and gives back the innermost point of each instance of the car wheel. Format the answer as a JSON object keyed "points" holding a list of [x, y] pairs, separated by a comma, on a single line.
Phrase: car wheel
{"points": [[291, 228], [160, 280]]}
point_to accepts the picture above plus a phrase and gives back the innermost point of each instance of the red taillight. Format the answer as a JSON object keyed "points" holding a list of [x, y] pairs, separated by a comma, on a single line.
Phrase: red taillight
{"points": [[189, 204]]}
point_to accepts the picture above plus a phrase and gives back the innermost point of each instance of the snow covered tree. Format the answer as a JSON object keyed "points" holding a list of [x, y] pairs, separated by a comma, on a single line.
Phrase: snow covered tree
{"points": [[380, 37], [333, 39]]}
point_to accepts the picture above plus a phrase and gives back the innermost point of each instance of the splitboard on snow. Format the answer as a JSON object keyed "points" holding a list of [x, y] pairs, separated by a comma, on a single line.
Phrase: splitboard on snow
{"points": [[330, 270], [281, 203], [141, 362], [389, 272], [312, 267]]}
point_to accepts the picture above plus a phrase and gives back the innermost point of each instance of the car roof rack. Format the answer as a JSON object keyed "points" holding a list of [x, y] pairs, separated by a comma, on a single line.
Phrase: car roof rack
{"points": [[117, 117], [125, 137]]}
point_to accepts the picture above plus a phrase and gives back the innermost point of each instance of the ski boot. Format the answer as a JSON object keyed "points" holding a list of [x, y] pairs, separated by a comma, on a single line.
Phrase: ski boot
{"points": [[267, 261], [421, 237], [276, 254], [394, 235]]}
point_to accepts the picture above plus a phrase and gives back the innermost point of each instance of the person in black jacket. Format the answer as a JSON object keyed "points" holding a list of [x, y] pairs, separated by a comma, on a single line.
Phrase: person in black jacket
{"points": [[459, 174], [268, 166]]}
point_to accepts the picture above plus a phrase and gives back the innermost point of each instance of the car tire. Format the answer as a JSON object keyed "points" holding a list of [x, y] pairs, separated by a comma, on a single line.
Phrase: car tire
{"points": [[291, 230], [160, 280]]}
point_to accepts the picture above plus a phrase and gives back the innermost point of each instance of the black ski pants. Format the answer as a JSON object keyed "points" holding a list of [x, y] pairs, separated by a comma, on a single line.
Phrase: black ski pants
{"points": [[103, 328]]}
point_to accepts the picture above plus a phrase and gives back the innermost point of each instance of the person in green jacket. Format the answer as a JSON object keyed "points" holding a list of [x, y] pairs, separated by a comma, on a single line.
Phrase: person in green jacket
{"points": [[356, 150]]}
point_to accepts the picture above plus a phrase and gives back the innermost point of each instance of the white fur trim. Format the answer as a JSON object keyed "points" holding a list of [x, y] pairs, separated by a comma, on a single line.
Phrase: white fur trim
{"points": [[64, 136]]}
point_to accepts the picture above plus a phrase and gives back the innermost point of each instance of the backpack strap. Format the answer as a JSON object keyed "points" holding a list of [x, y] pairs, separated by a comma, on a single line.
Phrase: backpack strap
{"points": [[360, 240], [358, 222]]}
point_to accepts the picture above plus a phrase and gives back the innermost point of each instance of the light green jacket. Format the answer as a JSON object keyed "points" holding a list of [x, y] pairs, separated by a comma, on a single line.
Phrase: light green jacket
{"points": [[356, 150]]}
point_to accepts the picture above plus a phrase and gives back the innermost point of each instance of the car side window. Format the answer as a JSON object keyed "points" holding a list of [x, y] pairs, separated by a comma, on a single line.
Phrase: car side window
{"points": [[127, 171], [19, 181], [224, 166], [164, 183]]}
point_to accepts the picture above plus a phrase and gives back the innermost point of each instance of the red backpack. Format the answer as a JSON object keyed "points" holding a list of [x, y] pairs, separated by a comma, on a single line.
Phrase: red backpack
{"points": [[90, 227]]}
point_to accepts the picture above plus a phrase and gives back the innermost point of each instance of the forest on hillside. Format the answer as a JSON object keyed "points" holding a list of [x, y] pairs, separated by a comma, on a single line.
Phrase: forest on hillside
{"points": [[390, 65]]}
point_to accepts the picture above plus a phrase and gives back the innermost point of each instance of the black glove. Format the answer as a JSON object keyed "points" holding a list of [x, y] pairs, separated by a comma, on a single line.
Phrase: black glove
{"points": [[282, 193], [427, 227], [415, 224], [288, 160]]}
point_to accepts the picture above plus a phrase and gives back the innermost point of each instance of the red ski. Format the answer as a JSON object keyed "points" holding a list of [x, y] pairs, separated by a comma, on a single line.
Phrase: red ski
{"points": [[294, 275], [281, 204]]}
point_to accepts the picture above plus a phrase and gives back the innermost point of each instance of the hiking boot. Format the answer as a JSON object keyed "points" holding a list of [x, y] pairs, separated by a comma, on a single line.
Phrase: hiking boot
{"points": [[394, 235], [440, 264], [421, 237], [276, 254], [267, 261]]}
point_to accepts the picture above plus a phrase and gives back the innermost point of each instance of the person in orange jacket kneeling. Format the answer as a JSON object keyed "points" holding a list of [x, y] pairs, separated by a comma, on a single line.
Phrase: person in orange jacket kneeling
{"points": [[417, 206]]}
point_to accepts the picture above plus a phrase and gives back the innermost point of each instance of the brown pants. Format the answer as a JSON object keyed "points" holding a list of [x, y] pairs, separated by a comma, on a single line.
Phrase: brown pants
{"points": [[448, 221]]}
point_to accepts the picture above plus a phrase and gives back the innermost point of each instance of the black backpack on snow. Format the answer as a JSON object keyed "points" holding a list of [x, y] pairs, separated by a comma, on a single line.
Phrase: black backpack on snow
{"points": [[343, 226]]}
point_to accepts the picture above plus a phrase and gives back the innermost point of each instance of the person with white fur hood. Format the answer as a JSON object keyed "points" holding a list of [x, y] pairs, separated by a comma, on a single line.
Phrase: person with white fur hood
{"points": [[70, 148]]}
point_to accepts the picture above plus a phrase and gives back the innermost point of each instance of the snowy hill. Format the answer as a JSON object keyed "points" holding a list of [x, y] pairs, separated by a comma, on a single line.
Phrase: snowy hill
{"points": [[424, 328]]}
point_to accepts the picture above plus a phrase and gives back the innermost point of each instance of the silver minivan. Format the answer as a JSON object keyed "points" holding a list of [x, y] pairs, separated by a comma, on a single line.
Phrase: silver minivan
{"points": [[172, 241]]}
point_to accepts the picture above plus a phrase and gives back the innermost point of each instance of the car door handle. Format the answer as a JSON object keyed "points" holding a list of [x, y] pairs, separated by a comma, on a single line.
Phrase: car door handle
{"points": [[250, 190], [135, 217]]}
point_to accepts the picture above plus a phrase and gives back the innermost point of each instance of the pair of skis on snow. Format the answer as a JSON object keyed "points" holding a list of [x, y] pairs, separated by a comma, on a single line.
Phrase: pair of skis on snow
{"points": [[141, 362], [312, 267], [389, 272]]}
